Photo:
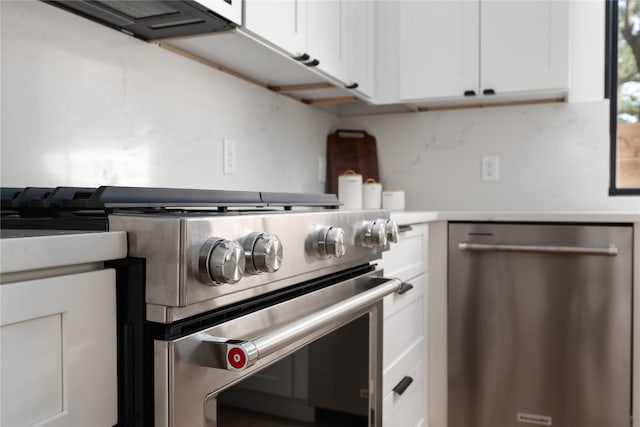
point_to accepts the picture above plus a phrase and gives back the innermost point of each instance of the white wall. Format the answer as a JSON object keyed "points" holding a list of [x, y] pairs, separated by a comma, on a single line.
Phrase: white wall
{"points": [[85, 105], [552, 157]]}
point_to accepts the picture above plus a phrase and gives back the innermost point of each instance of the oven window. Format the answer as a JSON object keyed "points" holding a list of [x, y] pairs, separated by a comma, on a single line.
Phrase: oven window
{"points": [[322, 384]]}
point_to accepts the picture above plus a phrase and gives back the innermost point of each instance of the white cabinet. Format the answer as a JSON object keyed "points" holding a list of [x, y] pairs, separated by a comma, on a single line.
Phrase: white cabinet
{"points": [[335, 37], [524, 45], [311, 31], [58, 328], [281, 22], [404, 355], [360, 49], [326, 38], [477, 49], [438, 48], [58, 341]]}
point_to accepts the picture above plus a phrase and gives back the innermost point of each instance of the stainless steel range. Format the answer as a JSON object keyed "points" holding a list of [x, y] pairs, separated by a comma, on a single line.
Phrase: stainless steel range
{"points": [[220, 285]]}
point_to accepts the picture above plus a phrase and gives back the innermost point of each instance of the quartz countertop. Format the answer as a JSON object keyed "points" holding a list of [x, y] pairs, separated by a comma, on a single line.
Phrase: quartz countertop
{"points": [[414, 217], [24, 250]]}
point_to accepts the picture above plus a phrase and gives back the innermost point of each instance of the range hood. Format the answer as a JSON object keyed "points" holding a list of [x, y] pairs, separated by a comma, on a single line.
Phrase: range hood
{"points": [[155, 19]]}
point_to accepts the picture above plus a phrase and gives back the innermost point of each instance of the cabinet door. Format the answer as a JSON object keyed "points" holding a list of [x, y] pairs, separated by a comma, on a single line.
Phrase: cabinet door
{"points": [[360, 49], [58, 341], [280, 22], [438, 43], [524, 45], [326, 36]]}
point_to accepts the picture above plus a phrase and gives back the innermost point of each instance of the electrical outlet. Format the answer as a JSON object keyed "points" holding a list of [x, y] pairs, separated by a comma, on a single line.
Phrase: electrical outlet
{"points": [[229, 156], [490, 168], [322, 169]]}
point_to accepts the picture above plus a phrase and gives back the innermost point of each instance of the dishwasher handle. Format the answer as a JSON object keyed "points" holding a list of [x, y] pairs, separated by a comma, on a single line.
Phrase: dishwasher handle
{"points": [[238, 355], [611, 250]]}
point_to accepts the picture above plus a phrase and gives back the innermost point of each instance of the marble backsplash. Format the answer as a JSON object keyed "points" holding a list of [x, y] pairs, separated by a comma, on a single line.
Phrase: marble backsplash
{"points": [[85, 105], [552, 157]]}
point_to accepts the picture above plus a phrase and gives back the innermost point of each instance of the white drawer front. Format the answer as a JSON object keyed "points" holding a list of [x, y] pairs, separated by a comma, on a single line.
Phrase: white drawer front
{"points": [[408, 257], [402, 331], [394, 373], [409, 408], [394, 302]]}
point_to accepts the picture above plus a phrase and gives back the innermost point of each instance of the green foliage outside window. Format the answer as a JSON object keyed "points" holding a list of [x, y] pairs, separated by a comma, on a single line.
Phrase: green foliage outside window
{"points": [[629, 61]]}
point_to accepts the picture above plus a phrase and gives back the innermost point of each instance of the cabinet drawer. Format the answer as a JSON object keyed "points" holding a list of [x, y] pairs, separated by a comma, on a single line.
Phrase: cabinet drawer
{"points": [[402, 331], [395, 301], [408, 257], [409, 408], [393, 373]]}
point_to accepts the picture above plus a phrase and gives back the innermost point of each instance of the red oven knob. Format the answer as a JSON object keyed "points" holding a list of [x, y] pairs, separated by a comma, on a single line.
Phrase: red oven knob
{"points": [[330, 242], [263, 253], [373, 234], [221, 261]]}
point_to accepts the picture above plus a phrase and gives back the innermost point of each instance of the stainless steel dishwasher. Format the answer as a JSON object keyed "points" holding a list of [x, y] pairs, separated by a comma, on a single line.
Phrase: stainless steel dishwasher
{"points": [[539, 325]]}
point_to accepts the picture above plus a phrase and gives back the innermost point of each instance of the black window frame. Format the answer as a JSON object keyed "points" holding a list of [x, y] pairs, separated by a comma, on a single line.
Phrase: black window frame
{"points": [[611, 92]]}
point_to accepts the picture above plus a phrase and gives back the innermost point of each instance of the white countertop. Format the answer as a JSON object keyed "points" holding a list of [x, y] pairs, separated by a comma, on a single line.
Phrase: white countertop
{"points": [[23, 250], [414, 217]]}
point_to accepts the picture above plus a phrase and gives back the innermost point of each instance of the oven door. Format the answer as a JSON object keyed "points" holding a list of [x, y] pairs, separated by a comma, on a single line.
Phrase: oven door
{"points": [[191, 371]]}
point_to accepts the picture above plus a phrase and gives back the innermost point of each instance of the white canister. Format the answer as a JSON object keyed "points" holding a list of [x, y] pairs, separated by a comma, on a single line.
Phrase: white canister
{"points": [[350, 190], [393, 200], [371, 194]]}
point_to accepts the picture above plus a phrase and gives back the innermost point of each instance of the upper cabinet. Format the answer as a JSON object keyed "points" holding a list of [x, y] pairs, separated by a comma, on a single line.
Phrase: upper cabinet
{"points": [[283, 23], [326, 36], [524, 45], [414, 54], [438, 48], [333, 36], [469, 51], [360, 52]]}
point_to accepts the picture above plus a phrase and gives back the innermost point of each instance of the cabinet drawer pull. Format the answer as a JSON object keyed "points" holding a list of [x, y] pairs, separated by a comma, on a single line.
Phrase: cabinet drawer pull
{"points": [[405, 287], [402, 386], [488, 92], [469, 93], [303, 57], [313, 63], [403, 228], [352, 86]]}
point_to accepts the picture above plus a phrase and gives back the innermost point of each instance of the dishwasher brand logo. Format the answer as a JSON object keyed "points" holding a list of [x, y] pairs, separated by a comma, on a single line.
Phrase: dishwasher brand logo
{"points": [[534, 419]]}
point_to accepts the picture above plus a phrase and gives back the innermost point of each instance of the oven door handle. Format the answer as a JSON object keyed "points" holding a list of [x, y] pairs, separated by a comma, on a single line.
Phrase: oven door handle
{"points": [[238, 355]]}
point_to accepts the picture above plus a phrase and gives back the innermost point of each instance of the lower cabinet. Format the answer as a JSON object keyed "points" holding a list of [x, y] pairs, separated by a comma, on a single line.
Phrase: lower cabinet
{"points": [[405, 353], [58, 340]]}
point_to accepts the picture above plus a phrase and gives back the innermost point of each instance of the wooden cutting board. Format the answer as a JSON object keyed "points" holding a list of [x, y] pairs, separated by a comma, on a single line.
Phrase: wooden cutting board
{"points": [[350, 150]]}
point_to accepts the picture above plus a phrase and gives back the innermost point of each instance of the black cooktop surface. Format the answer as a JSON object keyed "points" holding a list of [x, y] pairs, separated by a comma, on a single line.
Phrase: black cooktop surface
{"points": [[88, 208]]}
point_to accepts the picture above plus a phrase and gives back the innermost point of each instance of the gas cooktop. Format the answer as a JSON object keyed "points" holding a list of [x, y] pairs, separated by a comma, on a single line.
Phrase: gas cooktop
{"points": [[83, 208]]}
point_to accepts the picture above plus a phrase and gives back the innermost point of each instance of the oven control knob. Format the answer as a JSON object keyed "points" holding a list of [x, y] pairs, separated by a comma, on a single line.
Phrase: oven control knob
{"points": [[391, 228], [263, 253], [221, 261], [330, 242], [374, 234]]}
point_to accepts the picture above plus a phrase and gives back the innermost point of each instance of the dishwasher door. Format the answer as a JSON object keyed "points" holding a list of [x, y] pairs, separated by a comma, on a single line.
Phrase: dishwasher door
{"points": [[539, 325]]}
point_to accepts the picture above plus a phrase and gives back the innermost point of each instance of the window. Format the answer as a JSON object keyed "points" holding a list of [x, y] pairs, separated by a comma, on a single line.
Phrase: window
{"points": [[623, 91]]}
